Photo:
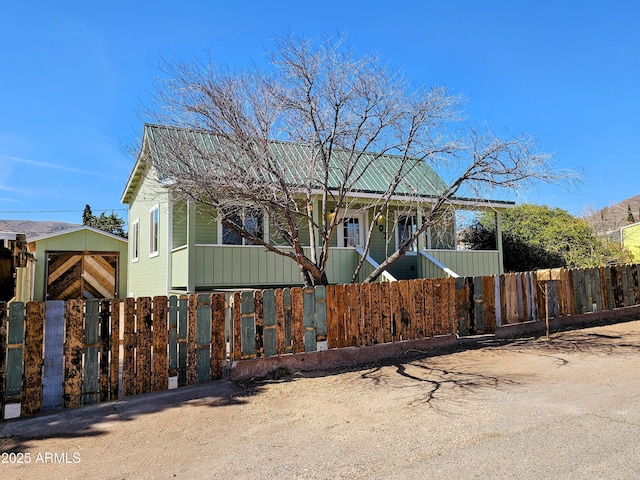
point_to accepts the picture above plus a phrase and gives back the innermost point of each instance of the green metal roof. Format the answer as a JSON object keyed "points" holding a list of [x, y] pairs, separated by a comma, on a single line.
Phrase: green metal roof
{"points": [[377, 171]]}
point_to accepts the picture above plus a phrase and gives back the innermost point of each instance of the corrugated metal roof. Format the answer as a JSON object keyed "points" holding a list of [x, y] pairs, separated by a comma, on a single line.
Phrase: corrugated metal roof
{"points": [[375, 171]]}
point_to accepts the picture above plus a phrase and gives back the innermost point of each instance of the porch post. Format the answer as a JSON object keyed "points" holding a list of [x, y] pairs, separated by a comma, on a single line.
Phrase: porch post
{"points": [[191, 245], [421, 244], [499, 241]]}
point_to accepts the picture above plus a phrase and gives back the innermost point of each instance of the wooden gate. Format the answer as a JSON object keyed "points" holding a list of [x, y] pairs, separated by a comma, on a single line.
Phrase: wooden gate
{"points": [[78, 275]]}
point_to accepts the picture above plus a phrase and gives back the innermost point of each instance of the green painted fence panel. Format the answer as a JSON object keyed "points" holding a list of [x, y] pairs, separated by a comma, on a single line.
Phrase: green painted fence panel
{"points": [[91, 373], [309, 319], [247, 324], [321, 311], [15, 347], [183, 327], [269, 322], [203, 339]]}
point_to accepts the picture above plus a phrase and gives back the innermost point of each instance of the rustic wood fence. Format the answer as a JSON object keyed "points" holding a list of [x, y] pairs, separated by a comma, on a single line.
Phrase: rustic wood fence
{"points": [[59, 354]]}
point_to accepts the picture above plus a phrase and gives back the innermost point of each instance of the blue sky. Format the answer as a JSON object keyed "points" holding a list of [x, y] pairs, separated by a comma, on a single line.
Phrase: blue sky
{"points": [[73, 76]]}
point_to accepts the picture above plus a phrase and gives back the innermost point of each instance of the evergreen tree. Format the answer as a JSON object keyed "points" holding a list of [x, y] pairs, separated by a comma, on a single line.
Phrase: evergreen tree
{"points": [[108, 223], [630, 218]]}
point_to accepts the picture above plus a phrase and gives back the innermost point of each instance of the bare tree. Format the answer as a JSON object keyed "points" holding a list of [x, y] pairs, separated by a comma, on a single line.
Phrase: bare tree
{"points": [[348, 118]]}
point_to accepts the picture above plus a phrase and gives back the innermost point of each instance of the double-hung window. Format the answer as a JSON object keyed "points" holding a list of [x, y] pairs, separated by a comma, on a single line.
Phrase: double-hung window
{"points": [[351, 229], [251, 219], [154, 230], [406, 228]]}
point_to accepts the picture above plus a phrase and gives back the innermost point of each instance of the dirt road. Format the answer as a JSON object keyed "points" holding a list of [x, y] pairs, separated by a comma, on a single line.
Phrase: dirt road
{"points": [[567, 407]]}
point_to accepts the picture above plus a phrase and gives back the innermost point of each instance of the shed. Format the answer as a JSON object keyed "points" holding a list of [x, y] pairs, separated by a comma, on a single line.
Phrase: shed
{"points": [[83, 262]]}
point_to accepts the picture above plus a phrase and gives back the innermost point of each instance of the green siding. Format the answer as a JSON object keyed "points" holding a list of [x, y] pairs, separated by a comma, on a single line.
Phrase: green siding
{"points": [[466, 263], [179, 225], [206, 228], [242, 266], [148, 276]]}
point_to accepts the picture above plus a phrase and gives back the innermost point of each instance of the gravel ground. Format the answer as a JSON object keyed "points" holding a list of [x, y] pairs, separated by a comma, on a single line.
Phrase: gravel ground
{"points": [[564, 407]]}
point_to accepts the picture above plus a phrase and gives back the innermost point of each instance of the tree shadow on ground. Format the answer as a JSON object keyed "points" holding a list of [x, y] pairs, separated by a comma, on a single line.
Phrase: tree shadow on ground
{"points": [[21, 434]]}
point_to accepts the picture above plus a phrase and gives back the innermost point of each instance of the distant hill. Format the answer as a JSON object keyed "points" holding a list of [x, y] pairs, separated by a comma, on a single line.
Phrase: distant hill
{"points": [[33, 228], [615, 216]]}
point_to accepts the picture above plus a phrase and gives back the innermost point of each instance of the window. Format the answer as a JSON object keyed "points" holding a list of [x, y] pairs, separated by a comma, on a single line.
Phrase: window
{"points": [[351, 232], [154, 230], [406, 228], [135, 240], [351, 229], [252, 219]]}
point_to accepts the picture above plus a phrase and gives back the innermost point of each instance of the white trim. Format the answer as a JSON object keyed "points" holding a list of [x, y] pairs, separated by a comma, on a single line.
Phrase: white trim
{"points": [[478, 203], [410, 213], [362, 216]]}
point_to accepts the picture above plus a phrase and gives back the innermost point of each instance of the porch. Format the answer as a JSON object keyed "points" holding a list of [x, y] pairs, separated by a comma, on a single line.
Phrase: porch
{"points": [[235, 266]]}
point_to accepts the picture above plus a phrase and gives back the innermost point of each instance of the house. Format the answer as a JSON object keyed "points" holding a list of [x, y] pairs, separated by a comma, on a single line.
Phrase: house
{"points": [[81, 262], [630, 239], [176, 247]]}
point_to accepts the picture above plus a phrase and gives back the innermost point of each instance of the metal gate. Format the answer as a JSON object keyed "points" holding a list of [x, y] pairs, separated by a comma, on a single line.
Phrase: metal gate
{"points": [[77, 275]]}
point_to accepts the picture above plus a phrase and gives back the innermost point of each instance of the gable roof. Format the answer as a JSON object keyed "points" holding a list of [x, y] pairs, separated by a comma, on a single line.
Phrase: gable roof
{"points": [[78, 229], [420, 179]]}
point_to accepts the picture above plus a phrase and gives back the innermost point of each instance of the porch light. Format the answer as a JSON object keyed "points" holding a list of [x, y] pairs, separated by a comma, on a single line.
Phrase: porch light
{"points": [[380, 219], [331, 215]]}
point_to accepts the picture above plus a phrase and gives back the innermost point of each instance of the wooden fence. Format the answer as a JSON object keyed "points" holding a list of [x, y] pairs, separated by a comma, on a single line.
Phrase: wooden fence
{"points": [[59, 354]]}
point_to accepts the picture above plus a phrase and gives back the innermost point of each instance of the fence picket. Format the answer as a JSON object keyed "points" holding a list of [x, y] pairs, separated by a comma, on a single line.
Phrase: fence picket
{"points": [[143, 345], [33, 353], [203, 339], [53, 367], [309, 319], [183, 339], [160, 341], [218, 344], [129, 345], [105, 348], [114, 388], [91, 340], [280, 337], [73, 350], [3, 356], [320, 296], [258, 315], [297, 320]]}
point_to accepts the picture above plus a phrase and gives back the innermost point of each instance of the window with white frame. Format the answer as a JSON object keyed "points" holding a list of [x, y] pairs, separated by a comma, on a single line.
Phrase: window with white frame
{"points": [[135, 240], [253, 221], [351, 230], [406, 227], [154, 230]]}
